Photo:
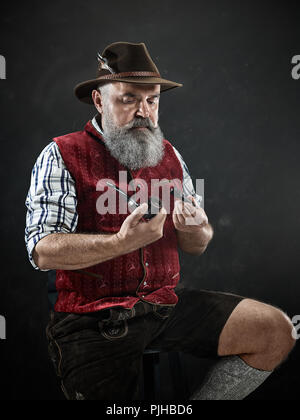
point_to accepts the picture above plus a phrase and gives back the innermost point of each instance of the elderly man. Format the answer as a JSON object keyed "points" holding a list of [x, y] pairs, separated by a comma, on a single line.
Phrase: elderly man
{"points": [[117, 272]]}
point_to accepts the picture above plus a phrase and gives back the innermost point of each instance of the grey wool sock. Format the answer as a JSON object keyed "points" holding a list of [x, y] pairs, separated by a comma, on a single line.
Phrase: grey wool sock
{"points": [[230, 379]]}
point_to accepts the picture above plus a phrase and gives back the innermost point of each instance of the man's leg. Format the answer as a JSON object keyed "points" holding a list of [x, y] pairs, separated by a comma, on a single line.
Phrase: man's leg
{"points": [[254, 341], [261, 334], [94, 361], [246, 337]]}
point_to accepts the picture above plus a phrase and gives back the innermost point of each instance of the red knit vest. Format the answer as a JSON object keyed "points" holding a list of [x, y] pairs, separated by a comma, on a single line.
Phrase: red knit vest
{"points": [[150, 273]]}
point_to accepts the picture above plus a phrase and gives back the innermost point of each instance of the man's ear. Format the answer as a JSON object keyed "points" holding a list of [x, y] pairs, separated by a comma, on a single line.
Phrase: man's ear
{"points": [[97, 99]]}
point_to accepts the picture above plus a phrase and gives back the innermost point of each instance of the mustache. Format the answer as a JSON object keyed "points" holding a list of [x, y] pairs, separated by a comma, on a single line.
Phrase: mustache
{"points": [[140, 122]]}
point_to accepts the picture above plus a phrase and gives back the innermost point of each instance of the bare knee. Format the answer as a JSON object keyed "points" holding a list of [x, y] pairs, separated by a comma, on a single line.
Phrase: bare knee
{"points": [[275, 335], [261, 334], [282, 333]]}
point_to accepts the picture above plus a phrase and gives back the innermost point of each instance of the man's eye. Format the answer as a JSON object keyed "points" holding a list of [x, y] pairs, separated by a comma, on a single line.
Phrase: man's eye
{"points": [[153, 101], [128, 100]]}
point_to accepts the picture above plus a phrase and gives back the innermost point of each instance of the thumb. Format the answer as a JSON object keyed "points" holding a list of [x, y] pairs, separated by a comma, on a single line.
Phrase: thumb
{"points": [[160, 218], [135, 217]]}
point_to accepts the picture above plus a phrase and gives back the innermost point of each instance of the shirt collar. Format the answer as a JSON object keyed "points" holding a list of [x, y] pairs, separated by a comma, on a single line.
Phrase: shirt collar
{"points": [[96, 126]]}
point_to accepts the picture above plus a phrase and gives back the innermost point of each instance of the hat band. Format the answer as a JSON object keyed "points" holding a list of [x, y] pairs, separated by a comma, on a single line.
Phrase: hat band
{"points": [[129, 74]]}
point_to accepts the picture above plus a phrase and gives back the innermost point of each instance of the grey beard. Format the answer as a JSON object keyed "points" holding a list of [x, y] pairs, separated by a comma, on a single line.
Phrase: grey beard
{"points": [[135, 149]]}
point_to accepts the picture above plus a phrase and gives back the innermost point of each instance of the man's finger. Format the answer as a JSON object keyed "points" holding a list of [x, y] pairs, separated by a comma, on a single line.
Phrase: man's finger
{"points": [[177, 222], [195, 202], [159, 217], [178, 207], [178, 214], [135, 217], [189, 210]]}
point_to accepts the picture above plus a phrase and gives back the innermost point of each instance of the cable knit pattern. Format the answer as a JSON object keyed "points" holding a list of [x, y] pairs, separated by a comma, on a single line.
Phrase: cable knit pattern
{"points": [[150, 273]]}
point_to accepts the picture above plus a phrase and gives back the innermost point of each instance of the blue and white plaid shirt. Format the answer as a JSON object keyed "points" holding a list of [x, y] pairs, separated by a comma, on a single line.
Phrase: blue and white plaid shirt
{"points": [[51, 200]]}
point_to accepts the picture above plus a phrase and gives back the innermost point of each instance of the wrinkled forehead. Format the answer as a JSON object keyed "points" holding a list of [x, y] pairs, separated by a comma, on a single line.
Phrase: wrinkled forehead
{"points": [[121, 88]]}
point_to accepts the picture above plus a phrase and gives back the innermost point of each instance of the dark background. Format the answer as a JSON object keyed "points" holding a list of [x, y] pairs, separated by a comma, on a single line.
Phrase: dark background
{"points": [[235, 121]]}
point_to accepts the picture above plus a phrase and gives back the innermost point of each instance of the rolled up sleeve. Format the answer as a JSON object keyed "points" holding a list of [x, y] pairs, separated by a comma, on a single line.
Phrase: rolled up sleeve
{"points": [[51, 200]]}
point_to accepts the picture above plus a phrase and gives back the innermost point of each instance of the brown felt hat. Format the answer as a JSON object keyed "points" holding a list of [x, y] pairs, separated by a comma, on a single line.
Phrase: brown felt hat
{"points": [[123, 62]]}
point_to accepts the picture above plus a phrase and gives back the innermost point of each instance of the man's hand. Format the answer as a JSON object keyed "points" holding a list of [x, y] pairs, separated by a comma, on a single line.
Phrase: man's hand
{"points": [[188, 218], [71, 251], [192, 228], [136, 233]]}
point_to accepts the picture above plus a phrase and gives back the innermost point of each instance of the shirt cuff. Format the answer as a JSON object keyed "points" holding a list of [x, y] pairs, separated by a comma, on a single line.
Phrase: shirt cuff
{"points": [[31, 245]]}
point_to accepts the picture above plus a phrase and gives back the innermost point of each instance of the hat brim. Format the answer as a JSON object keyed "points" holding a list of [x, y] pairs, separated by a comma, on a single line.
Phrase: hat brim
{"points": [[83, 91]]}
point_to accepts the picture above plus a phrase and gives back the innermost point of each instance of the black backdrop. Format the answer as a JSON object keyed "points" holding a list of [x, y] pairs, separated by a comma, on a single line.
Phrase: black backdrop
{"points": [[235, 121]]}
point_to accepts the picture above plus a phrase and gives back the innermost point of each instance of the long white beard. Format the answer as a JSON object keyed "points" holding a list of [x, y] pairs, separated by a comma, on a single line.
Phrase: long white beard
{"points": [[134, 148]]}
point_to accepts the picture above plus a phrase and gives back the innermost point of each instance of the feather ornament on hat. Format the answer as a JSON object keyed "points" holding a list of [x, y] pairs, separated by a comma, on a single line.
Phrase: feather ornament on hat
{"points": [[125, 62], [103, 64]]}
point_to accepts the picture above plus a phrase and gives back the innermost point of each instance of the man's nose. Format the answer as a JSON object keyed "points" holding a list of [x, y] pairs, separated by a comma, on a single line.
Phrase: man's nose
{"points": [[143, 110]]}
